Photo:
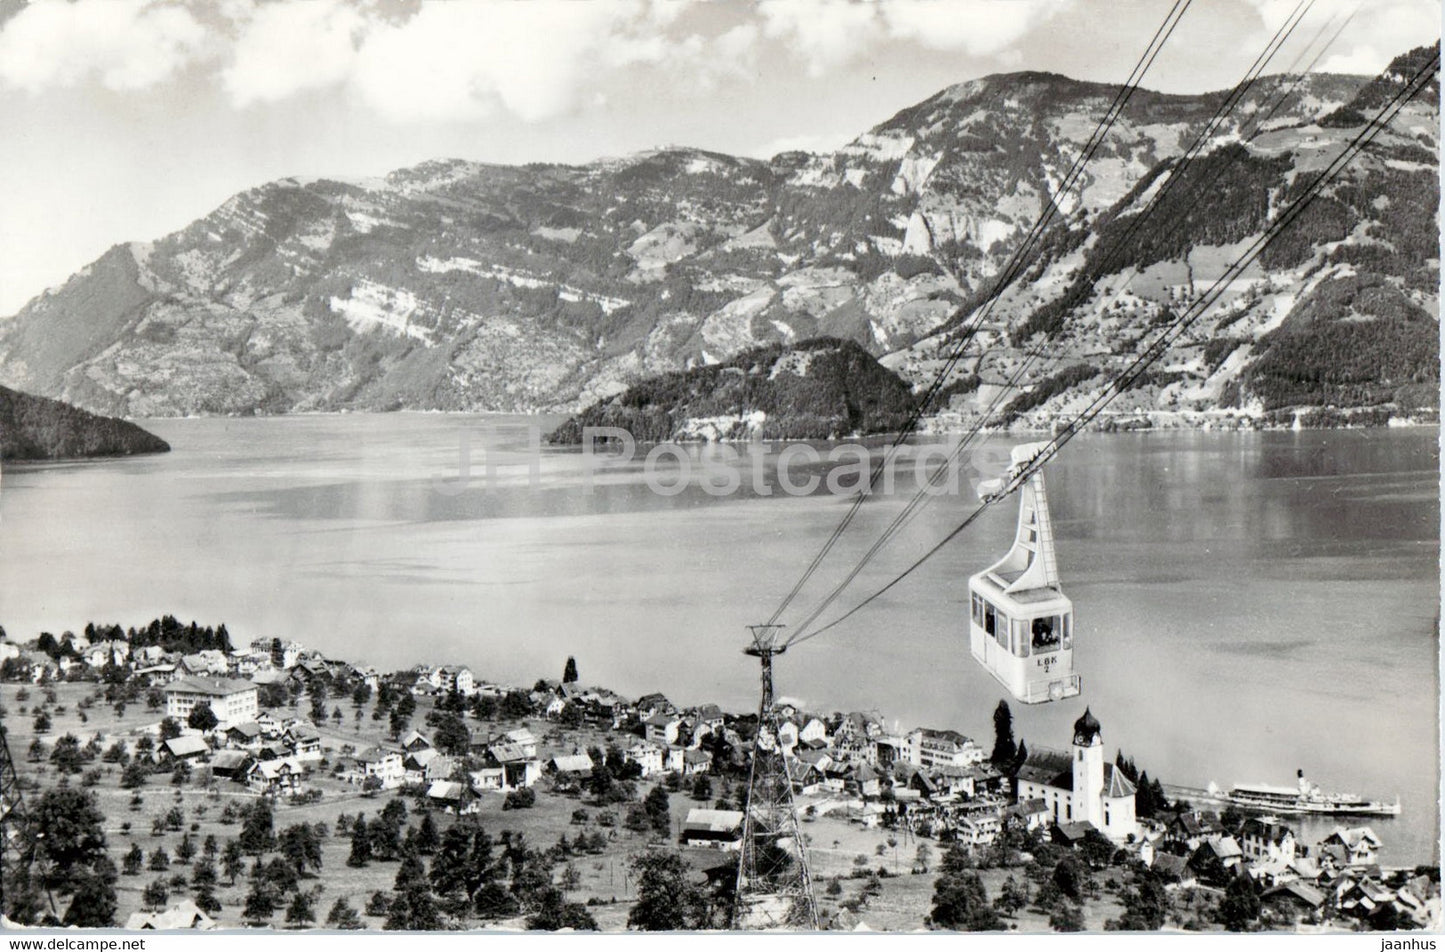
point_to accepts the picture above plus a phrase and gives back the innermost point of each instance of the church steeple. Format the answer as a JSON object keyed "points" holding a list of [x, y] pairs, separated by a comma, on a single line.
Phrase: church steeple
{"points": [[1087, 730]]}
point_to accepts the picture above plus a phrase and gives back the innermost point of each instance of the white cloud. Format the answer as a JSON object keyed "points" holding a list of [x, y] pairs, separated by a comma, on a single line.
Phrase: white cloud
{"points": [[122, 44], [451, 61], [826, 34], [284, 48], [1378, 30], [976, 27]]}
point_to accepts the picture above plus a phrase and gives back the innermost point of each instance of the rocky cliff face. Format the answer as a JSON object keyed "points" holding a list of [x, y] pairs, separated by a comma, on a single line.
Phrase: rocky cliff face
{"points": [[456, 285]]}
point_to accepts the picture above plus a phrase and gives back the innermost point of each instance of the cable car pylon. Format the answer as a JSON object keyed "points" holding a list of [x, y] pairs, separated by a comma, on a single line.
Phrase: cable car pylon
{"points": [[18, 846], [774, 888]]}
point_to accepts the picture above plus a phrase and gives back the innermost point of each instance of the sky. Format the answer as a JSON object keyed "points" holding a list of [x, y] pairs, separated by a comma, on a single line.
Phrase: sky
{"points": [[124, 120]]}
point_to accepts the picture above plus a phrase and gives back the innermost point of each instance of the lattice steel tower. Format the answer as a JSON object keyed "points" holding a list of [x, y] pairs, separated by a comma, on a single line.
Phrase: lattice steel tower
{"points": [[773, 885], [17, 838]]}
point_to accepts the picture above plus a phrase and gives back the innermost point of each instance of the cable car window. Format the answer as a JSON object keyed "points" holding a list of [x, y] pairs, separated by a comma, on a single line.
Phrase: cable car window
{"points": [[1046, 633], [977, 610], [990, 619], [1020, 638], [1001, 631], [1068, 628]]}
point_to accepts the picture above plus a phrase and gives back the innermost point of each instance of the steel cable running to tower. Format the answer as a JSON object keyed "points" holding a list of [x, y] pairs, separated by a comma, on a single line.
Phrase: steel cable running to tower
{"points": [[1301, 74], [1176, 175], [1121, 382], [1012, 269]]}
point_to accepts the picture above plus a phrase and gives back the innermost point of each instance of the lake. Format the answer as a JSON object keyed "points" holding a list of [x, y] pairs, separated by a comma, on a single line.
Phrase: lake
{"points": [[1248, 604]]}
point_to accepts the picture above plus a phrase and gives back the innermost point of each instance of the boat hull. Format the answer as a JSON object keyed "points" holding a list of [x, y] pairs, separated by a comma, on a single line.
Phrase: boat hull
{"points": [[1309, 807]]}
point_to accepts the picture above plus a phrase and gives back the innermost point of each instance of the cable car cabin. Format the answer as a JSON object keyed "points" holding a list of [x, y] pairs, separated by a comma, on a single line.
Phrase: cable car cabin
{"points": [[1022, 624]]}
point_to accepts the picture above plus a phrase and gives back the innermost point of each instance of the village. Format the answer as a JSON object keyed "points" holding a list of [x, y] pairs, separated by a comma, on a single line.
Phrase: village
{"points": [[193, 753]]}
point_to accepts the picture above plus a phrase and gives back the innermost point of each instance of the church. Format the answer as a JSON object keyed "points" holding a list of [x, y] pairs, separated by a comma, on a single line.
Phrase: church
{"points": [[1080, 787]]}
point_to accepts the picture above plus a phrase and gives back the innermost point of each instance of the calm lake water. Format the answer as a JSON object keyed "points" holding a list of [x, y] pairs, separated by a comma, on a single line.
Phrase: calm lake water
{"points": [[1248, 604]]}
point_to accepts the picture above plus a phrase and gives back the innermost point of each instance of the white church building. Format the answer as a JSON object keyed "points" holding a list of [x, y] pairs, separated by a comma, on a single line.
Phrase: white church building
{"points": [[1080, 786]]}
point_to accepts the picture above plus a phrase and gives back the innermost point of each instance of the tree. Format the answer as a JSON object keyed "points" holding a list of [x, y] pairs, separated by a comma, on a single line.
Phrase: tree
{"points": [[1240, 906], [569, 672], [342, 915], [156, 893], [451, 734], [1069, 878], [66, 755], [360, 844], [1145, 906], [301, 847], [523, 799], [93, 904], [702, 788], [133, 860], [232, 860], [657, 811], [202, 718], [1005, 751], [960, 902], [257, 831], [169, 729], [302, 910], [260, 904], [1067, 917], [1012, 897], [70, 835], [412, 906], [666, 898], [554, 912], [427, 838], [42, 722], [317, 692]]}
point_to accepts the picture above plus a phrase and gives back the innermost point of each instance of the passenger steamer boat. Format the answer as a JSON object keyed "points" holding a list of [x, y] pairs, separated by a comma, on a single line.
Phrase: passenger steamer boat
{"points": [[1304, 798]]}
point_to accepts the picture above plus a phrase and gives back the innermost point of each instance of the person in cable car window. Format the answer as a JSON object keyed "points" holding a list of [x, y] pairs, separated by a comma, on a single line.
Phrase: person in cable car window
{"points": [[1045, 634]]}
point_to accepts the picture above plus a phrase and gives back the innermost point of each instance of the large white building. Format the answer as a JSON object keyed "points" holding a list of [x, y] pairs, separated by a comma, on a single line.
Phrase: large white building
{"points": [[231, 700], [1080, 787], [934, 748]]}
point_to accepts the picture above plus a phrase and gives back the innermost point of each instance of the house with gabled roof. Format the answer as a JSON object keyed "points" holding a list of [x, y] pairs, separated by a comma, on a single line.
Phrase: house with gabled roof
{"points": [[522, 737], [648, 756], [1173, 870], [719, 829], [383, 763], [520, 768], [1357, 846], [1266, 838], [231, 764], [275, 777], [1218, 859], [186, 747], [695, 761], [246, 734], [650, 704], [1187, 830], [452, 796], [662, 729], [1294, 899], [578, 762], [183, 915]]}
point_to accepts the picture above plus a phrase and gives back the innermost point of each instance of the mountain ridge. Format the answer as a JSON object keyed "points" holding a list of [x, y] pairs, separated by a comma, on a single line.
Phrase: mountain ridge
{"points": [[462, 285]]}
